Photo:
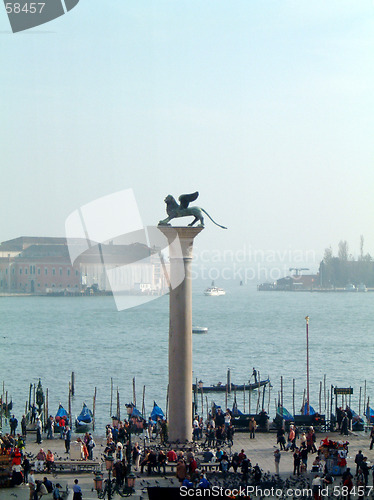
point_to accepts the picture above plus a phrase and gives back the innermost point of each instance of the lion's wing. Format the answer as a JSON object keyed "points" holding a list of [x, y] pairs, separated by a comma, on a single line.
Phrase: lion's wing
{"points": [[185, 199]]}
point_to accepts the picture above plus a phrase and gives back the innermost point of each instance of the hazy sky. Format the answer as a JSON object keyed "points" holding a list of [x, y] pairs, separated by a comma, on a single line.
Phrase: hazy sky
{"points": [[265, 107]]}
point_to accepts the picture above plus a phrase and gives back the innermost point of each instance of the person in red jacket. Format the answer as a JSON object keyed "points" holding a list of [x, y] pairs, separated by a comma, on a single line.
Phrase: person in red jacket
{"points": [[171, 456]]}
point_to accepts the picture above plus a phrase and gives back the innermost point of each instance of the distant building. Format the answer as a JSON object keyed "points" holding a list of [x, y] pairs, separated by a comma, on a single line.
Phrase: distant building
{"points": [[293, 283], [42, 265]]}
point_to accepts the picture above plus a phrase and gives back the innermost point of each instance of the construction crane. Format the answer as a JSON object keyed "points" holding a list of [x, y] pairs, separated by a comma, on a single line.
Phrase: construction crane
{"points": [[298, 269]]}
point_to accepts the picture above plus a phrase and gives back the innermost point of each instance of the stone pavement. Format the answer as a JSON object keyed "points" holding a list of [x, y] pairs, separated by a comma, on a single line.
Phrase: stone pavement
{"points": [[260, 450]]}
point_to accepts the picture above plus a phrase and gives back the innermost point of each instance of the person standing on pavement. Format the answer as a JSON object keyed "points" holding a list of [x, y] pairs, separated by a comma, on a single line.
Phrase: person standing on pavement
{"points": [[277, 457], [32, 484], [90, 446], [50, 427], [24, 426], [38, 430], [13, 422], [252, 428], [67, 438], [77, 490], [358, 459]]}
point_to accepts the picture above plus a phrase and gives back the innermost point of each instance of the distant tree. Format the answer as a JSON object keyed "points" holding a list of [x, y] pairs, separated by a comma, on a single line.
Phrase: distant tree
{"points": [[362, 247], [344, 269], [327, 255], [343, 250]]}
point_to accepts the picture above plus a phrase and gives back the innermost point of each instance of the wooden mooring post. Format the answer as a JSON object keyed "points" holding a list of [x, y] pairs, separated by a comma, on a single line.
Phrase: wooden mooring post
{"points": [[93, 410], [72, 383]]}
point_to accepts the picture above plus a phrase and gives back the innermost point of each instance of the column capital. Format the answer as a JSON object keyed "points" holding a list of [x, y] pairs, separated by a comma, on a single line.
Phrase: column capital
{"points": [[180, 239]]}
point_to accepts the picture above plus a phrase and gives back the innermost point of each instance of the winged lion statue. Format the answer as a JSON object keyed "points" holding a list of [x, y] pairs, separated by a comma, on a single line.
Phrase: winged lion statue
{"points": [[175, 210]]}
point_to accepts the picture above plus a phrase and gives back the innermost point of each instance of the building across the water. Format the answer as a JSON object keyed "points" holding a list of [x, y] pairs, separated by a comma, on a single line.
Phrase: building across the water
{"points": [[42, 265], [293, 283]]}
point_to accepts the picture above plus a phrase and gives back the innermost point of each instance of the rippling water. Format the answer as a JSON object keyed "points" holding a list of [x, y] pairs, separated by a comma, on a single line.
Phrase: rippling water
{"points": [[50, 337]]}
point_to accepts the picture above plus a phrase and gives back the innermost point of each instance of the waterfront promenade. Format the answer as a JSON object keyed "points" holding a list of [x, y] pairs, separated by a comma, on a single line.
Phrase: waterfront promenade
{"points": [[260, 450]]}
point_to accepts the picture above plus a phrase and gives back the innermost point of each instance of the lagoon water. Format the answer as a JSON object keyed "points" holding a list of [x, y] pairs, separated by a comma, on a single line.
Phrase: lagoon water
{"points": [[49, 337]]}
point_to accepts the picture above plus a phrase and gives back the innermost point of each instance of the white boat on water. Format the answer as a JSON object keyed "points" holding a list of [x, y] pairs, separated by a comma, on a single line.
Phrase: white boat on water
{"points": [[199, 329], [350, 288], [214, 291], [362, 288]]}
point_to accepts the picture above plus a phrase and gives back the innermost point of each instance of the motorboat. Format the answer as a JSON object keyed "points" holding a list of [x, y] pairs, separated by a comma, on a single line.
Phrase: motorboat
{"points": [[199, 329], [350, 288], [214, 291], [362, 288]]}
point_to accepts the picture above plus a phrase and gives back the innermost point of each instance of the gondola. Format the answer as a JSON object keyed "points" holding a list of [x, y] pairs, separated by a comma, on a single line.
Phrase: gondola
{"points": [[83, 422], [61, 413], [222, 387], [156, 412], [358, 423], [369, 414]]}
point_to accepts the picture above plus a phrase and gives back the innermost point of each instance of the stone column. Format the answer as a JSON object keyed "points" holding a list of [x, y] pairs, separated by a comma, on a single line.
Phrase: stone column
{"points": [[180, 331]]}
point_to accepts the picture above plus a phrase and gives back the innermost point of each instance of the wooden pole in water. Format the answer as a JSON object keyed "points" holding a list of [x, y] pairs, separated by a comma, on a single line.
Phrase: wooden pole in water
{"points": [[249, 401], [307, 364], [118, 406], [367, 410], [2, 406], [293, 397], [94, 410], [111, 397], [143, 402], [263, 397], [72, 383], [269, 399], [46, 406], [350, 398], [207, 407], [258, 400], [30, 396], [202, 401], [282, 393], [244, 398], [303, 401], [359, 402], [70, 421], [134, 390], [324, 391], [365, 392], [320, 397], [33, 398], [226, 395], [228, 385]]}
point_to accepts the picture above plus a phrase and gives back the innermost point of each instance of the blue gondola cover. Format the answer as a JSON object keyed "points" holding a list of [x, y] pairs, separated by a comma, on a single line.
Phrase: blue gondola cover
{"points": [[284, 414], [304, 411], [156, 412], [85, 416], [370, 414]]}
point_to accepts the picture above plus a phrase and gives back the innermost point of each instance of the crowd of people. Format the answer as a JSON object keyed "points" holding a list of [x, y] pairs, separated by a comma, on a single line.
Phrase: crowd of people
{"points": [[211, 438]]}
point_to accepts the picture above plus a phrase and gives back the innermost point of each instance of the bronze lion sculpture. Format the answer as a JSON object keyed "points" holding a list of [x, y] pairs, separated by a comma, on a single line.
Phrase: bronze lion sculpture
{"points": [[175, 210]]}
